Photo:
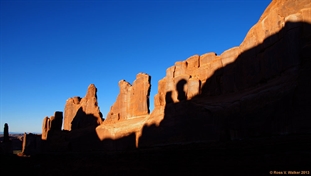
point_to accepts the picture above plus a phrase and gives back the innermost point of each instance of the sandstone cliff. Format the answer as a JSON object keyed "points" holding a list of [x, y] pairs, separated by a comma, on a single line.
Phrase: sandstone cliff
{"points": [[132, 101], [130, 111], [260, 88], [54, 123], [83, 112], [255, 89]]}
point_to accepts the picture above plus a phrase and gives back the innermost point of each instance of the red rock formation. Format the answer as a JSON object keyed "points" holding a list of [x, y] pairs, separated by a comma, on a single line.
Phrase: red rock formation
{"points": [[81, 118], [248, 90], [56, 121], [197, 69], [31, 144], [253, 89], [258, 88], [77, 107], [46, 125], [132, 101], [129, 112], [139, 97], [53, 123]]}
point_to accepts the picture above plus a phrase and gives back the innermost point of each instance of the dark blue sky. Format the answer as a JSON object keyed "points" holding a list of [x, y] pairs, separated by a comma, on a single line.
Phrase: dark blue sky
{"points": [[52, 50]]}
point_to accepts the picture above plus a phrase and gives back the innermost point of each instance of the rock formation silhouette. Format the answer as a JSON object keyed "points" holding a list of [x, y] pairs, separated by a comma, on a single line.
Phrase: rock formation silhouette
{"points": [[248, 91], [247, 107], [54, 123], [6, 144], [257, 89], [32, 144], [6, 133]]}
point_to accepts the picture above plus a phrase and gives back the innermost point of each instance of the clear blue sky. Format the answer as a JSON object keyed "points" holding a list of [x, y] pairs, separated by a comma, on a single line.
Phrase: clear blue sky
{"points": [[52, 50]]}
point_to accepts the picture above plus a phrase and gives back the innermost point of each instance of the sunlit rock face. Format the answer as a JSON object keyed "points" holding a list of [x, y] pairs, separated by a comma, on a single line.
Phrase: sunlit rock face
{"points": [[129, 113], [255, 89], [261, 47], [54, 123], [46, 125], [82, 112], [132, 101], [260, 88]]}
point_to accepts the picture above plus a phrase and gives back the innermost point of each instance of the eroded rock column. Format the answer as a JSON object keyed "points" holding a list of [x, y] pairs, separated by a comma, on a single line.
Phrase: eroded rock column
{"points": [[82, 110]]}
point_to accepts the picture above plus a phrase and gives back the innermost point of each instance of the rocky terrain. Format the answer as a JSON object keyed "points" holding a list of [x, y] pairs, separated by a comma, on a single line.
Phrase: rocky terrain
{"points": [[259, 88], [249, 106]]}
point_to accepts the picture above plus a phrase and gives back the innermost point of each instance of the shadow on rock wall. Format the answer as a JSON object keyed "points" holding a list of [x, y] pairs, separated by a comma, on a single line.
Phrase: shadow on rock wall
{"points": [[264, 92], [82, 120], [83, 137]]}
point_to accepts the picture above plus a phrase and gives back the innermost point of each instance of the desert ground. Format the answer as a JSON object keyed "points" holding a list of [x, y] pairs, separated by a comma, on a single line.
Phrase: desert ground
{"points": [[241, 157]]}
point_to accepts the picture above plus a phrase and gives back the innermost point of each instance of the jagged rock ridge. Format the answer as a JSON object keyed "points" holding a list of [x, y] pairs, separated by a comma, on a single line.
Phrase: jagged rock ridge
{"points": [[258, 88], [249, 90]]}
